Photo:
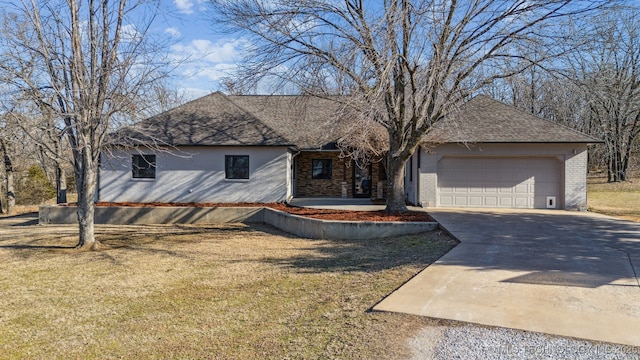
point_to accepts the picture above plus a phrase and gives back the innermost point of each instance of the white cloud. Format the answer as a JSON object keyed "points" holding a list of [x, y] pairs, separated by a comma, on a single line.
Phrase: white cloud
{"points": [[173, 32], [184, 6], [217, 72], [204, 63], [201, 50]]}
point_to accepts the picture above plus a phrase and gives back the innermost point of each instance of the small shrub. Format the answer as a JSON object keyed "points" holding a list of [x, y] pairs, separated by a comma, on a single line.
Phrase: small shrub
{"points": [[34, 189]]}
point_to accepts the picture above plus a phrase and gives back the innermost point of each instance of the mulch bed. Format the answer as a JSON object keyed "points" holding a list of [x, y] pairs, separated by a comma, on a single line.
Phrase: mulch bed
{"points": [[325, 214]]}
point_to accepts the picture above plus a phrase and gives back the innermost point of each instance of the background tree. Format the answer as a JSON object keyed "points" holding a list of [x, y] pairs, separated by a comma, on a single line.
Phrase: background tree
{"points": [[404, 64], [15, 153], [87, 63], [41, 132], [607, 74], [9, 173], [592, 87]]}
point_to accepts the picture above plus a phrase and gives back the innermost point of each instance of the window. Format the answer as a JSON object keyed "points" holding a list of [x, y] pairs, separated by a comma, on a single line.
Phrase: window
{"points": [[236, 166], [321, 168], [143, 166]]}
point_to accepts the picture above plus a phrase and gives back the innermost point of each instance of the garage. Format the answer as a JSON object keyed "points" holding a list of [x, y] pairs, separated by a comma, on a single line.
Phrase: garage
{"points": [[507, 182]]}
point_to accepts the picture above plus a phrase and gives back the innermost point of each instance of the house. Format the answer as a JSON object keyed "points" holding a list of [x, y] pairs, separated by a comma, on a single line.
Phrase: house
{"points": [[271, 148]]}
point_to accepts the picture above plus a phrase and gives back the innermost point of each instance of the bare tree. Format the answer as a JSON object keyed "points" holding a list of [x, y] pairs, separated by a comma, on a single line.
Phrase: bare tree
{"points": [[404, 64], [9, 171], [40, 131], [608, 78], [87, 63]]}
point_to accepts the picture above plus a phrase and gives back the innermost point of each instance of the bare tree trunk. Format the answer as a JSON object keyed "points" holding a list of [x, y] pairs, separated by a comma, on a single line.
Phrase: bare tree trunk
{"points": [[9, 173], [617, 163], [11, 195], [86, 195], [395, 185], [61, 185]]}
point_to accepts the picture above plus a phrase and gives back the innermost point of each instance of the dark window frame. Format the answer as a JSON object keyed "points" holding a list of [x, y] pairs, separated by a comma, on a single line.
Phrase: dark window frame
{"points": [[235, 169], [143, 166], [321, 169]]}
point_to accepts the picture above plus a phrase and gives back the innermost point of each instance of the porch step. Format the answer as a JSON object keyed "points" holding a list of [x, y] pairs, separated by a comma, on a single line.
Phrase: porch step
{"points": [[337, 203]]}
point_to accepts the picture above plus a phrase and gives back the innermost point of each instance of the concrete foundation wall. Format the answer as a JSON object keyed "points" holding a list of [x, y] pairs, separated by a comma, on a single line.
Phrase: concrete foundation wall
{"points": [[342, 230], [296, 225], [153, 215]]}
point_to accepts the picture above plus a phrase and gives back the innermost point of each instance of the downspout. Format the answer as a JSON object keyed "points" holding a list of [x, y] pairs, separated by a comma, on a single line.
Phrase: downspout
{"points": [[418, 201]]}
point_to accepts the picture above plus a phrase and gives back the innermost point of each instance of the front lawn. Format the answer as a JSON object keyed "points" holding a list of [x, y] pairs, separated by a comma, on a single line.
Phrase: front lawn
{"points": [[620, 199], [229, 291]]}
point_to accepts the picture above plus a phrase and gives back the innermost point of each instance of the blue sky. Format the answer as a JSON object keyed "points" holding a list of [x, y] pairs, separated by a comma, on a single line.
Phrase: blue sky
{"points": [[209, 54]]}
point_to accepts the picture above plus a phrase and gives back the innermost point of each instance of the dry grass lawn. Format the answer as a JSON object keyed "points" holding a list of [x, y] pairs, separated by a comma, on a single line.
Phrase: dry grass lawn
{"points": [[227, 292], [616, 199]]}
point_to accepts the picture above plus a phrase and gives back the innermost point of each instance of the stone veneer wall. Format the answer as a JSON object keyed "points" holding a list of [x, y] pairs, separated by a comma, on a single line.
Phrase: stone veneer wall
{"points": [[322, 187], [375, 178], [342, 172]]}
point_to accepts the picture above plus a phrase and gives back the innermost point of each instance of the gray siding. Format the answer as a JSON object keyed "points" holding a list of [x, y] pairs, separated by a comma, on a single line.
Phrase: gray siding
{"points": [[197, 174]]}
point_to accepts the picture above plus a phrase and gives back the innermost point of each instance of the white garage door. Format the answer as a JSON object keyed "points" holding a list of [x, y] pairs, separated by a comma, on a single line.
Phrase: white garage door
{"points": [[510, 182]]}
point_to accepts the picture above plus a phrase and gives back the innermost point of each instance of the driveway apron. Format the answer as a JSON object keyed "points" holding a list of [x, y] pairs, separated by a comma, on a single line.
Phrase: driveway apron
{"points": [[557, 272]]}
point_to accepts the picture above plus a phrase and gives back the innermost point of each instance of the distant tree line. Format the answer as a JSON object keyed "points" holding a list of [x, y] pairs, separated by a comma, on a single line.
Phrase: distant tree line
{"points": [[593, 87]]}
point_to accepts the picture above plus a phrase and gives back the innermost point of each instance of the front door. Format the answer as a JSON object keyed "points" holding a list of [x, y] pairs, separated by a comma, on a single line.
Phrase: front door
{"points": [[362, 181]]}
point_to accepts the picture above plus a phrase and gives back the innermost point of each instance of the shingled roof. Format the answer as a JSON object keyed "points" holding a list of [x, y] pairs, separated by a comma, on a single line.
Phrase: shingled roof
{"points": [[251, 120], [485, 120], [311, 123], [209, 120]]}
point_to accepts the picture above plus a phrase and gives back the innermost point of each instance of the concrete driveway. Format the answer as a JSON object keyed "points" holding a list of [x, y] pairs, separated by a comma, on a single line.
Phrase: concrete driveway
{"points": [[557, 272]]}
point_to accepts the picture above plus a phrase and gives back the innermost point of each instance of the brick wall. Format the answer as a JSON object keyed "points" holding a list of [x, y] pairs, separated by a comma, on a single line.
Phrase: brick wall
{"points": [[428, 179], [342, 171], [310, 187], [376, 176], [575, 181]]}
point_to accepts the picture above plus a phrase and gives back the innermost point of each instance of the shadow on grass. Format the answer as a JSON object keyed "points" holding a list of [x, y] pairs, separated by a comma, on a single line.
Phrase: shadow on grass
{"points": [[319, 256], [27, 219], [37, 247], [367, 255]]}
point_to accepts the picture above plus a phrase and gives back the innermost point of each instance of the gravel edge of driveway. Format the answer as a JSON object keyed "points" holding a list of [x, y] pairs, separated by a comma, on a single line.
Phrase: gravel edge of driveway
{"points": [[457, 340]]}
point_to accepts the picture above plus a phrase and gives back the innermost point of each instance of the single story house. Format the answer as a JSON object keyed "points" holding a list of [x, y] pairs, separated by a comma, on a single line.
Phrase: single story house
{"points": [[254, 148]]}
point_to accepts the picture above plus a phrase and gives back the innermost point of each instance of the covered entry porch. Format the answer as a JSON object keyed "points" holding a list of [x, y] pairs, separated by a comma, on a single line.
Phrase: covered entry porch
{"points": [[324, 174]]}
